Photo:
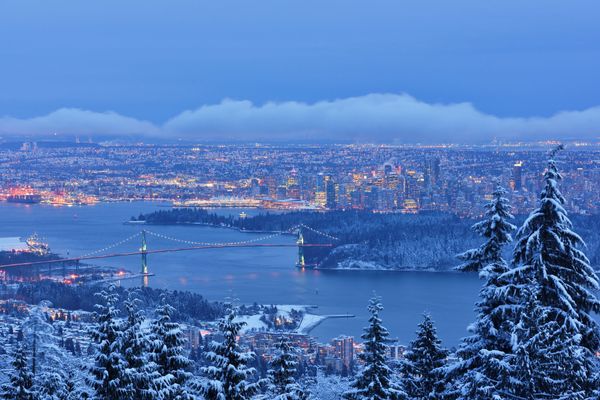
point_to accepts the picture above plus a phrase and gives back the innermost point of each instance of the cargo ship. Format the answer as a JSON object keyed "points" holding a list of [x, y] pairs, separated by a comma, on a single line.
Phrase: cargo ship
{"points": [[37, 245], [24, 198]]}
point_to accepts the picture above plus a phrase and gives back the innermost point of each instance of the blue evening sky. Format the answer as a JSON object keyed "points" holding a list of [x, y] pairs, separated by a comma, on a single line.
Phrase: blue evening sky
{"points": [[151, 60]]}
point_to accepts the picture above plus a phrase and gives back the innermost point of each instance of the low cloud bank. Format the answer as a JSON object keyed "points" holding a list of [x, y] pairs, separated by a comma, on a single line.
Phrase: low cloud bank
{"points": [[73, 121], [395, 118]]}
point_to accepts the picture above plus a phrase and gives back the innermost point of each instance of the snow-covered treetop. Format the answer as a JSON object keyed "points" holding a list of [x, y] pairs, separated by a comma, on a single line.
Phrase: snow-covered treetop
{"points": [[547, 231], [375, 332], [375, 306], [227, 375], [375, 381], [551, 177], [496, 228], [547, 255], [555, 337]]}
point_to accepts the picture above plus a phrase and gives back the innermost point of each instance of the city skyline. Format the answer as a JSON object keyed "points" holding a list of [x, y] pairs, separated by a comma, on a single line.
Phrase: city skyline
{"points": [[405, 179]]}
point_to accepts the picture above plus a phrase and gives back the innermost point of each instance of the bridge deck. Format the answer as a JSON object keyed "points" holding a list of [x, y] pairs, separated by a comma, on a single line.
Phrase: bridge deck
{"points": [[170, 250]]}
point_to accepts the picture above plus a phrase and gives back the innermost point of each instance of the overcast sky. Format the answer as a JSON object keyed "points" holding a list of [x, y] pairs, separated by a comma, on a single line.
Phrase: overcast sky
{"points": [[393, 70]]}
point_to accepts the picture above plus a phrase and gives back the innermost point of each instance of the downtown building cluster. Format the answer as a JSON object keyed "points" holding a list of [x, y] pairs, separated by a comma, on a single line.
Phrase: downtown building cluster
{"points": [[407, 179]]}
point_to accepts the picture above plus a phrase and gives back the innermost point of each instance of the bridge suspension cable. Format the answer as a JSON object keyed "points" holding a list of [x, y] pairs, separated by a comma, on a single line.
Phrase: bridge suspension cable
{"points": [[197, 243], [316, 231], [290, 230], [162, 236], [112, 246]]}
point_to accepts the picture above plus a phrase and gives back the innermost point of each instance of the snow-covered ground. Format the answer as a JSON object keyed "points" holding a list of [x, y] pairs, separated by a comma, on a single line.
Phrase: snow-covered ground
{"points": [[253, 322], [289, 307], [308, 323]]}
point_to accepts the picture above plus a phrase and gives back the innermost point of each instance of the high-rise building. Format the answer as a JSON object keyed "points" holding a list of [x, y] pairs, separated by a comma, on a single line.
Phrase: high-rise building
{"points": [[396, 351], [292, 179], [320, 182], [356, 198], [386, 199], [321, 199], [331, 195], [516, 182], [344, 349], [293, 192], [254, 187], [343, 195], [431, 175], [413, 189], [320, 191], [281, 192], [436, 170], [387, 169], [325, 188]]}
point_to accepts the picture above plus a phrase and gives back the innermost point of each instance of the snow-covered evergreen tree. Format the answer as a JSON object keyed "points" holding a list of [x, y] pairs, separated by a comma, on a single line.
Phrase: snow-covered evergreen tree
{"points": [[52, 385], [562, 340], [327, 387], [48, 357], [20, 378], [281, 375], [74, 389], [140, 371], [108, 372], [496, 229], [482, 357], [74, 385], [228, 375], [375, 381], [169, 355], [422, 369], [522, 370]]}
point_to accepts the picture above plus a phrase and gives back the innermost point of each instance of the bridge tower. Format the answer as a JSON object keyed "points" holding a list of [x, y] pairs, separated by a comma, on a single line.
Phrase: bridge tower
{"points": [[300, 242], [144, 251]]}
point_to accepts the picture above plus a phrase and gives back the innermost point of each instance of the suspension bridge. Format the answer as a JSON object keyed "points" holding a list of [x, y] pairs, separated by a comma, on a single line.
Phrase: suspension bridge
{"points": [[184, 245]]}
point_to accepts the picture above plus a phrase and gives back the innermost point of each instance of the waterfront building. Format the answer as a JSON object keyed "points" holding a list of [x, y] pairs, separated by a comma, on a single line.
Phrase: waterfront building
{"points": [[344, 349]]}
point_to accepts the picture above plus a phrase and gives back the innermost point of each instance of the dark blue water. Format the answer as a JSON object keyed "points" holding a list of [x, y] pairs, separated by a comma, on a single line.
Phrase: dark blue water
{"points": [[264, 275]]}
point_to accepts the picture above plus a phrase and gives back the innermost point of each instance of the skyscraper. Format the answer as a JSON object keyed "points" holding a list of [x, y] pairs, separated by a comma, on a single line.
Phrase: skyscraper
{"points": [[344, 349], [330, 190], [435, 167], [517, 176]]}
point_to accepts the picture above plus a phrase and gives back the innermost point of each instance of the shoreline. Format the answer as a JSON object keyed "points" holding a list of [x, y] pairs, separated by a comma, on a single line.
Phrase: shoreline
{"points": [[208, 225], [316, 320], [427, 270]]}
